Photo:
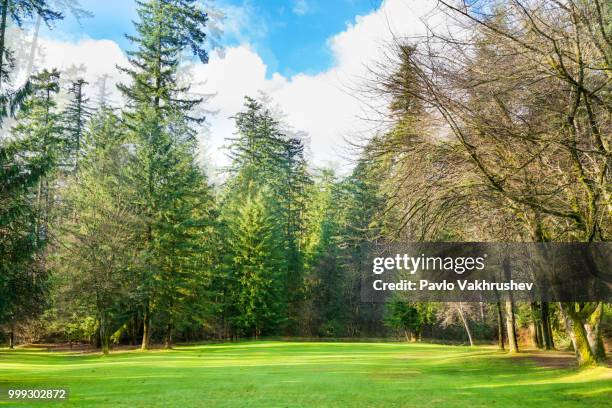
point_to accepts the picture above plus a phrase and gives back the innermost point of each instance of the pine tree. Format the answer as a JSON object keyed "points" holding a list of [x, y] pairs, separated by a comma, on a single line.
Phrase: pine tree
{"points": [[264, 157], [160, 124], [27, 159], [166, 29], [325, 308], [22, 280], [256, 254], [258, 148], [39, 131], [292, 203], [75, 117], [186, 239], [99, 231], [17, 11]]}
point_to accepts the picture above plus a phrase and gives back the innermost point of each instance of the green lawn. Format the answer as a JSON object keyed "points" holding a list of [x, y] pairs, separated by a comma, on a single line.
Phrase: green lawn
{"points": [[280, 374]]}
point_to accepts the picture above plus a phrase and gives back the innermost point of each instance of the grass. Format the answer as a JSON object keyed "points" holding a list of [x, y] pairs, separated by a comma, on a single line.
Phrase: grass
{"points": [[282, 374]]}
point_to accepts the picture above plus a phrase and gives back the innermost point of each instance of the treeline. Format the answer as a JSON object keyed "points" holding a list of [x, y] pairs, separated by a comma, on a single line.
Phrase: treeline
{"points": [[501, 125], [112, 233]]}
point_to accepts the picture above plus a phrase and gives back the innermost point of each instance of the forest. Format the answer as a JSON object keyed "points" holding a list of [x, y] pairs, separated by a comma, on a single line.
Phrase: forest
{"points": [[495, 127]]}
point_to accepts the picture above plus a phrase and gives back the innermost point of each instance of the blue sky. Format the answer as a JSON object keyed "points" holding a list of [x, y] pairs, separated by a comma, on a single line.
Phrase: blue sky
{"points": [[289, 35], [307, 56]]}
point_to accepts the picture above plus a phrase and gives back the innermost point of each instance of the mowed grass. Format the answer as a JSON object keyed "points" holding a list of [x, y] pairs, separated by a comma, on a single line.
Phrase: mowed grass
{"points": [[287, 374]]}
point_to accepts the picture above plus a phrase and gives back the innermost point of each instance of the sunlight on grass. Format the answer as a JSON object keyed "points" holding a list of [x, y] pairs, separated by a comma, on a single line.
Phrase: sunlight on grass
{"points": [[263, 374]]}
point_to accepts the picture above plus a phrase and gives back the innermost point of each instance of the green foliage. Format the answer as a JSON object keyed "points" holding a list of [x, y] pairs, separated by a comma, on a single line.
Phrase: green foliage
{"points": [[165, 30], [27, 160], [256, 265], [324, 275], [21, 10], [99, 229], [269, 171], [75, 118], [409, 317], [172, 197]]}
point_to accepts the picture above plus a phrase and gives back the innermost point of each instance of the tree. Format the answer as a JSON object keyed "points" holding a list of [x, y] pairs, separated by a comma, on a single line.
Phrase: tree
{"points": [[521, 162], [166, 30], [75, 117], [98, 235], [325, 310], [39, 127], [458, 312], [255, 249], [186, 241], [409, 317], [265, 158], [28, 159], [17, 11]]}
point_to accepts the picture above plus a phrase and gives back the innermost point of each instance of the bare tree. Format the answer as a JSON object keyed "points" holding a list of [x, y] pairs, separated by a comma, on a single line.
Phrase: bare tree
{"points": [[503, 118]]}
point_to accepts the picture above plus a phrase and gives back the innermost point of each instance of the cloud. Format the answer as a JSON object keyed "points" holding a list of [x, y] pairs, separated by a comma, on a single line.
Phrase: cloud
{"points": [[100, 58], [321, 105], [300, 7]]}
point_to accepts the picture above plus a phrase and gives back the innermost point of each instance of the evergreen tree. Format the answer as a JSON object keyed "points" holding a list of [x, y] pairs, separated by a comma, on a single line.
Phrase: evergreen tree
{"points": [[39, 133], [159, 121], [266, 158], [410, 318], [17, 11], [292, 202], [186, 242], [75, 117], [99, 230], [27, 161], [22, 280], [258, 148], [325, 306], [255, 249]]}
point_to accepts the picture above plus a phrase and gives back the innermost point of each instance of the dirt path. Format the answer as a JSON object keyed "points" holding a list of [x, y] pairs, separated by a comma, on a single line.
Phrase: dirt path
{"points": [[553, 359]]}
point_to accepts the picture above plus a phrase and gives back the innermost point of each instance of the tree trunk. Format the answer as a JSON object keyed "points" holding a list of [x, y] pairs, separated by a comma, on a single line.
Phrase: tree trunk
{"points": [[12, 338], [533, 331], [578, 335], [133, 330], [539, 334], [594, 335], [96, 340], [546, 329], [104, 335], [32, 57], [500, 327], [3, 22], [534, 326], [465, 324], [168, 338], [511, 327], [146, 327]]}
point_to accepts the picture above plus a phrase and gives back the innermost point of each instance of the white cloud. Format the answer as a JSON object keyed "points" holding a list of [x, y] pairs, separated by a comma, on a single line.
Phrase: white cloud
{"points": [[99, 57], [300, 7], [320, 104]]}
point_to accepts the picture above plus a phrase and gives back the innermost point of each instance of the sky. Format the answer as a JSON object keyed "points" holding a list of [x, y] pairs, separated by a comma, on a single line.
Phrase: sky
{"points": [[308, 56]]}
